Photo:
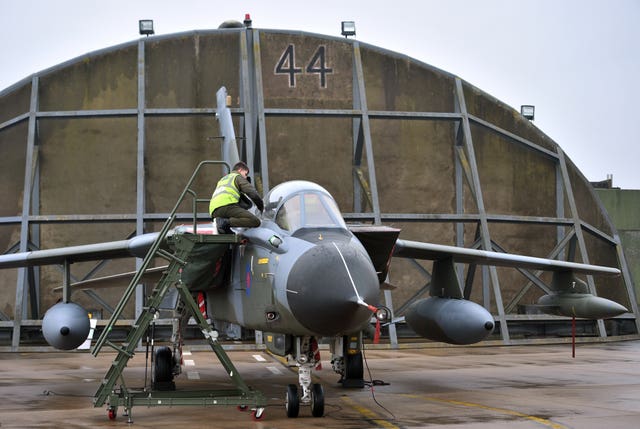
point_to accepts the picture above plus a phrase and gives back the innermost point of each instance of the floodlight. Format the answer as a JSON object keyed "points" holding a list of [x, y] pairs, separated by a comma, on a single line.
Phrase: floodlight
{"points": [[528, 111], [146, 27], [348, 28]]}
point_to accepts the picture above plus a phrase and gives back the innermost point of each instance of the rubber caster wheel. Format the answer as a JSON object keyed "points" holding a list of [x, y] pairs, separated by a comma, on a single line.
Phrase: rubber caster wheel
{"points": [[112, 413], [317, 400], [292, 401], [257, 414]]}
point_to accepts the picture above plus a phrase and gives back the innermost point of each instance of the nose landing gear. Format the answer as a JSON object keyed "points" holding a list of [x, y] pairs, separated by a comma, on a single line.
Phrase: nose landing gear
{"points": [[312, 393]]}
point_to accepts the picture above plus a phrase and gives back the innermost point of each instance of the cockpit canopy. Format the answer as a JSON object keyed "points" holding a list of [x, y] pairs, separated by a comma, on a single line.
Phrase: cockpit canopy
{"points": [[300, 204]]}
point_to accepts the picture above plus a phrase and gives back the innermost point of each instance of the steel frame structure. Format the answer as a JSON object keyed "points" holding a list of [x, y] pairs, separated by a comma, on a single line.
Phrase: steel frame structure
{"points": [[253, 115]]}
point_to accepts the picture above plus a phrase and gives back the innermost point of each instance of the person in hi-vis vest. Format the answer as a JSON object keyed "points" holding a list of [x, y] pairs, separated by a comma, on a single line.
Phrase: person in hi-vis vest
{"points": [[225, 206]]}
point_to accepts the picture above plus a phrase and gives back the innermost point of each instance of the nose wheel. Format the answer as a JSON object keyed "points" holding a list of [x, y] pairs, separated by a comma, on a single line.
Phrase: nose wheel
{"points": [[315, 399], [305, 393], [292, 401]]}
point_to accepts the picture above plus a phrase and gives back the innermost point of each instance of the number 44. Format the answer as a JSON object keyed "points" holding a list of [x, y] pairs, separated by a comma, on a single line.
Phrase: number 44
{"points": [[318, 64]]}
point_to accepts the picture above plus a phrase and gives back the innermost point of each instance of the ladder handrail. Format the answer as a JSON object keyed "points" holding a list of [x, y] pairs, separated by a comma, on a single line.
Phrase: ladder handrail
{"points": [[127, 350], [151, 254]]}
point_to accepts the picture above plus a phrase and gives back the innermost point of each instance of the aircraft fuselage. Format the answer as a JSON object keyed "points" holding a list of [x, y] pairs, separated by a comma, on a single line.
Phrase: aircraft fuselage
{"points": [[302, 272], [313, 283]]}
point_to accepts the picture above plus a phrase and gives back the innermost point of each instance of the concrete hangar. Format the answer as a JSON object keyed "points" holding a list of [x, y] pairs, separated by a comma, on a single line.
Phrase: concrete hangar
{"points": [[98, 148]]}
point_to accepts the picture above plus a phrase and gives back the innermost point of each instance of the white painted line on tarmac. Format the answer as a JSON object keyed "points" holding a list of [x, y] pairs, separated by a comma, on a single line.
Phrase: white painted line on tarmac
{"points": [[274, 369], [189, 362], [259, 358], [186, 352], [193, 375]]}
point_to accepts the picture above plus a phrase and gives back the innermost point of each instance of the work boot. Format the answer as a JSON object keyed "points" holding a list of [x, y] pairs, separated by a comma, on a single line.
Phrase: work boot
{"points": [[223, 225]]}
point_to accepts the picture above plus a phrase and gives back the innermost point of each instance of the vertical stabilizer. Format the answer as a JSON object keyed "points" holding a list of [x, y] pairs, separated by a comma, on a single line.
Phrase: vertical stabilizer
{"points": [[223, 114]]}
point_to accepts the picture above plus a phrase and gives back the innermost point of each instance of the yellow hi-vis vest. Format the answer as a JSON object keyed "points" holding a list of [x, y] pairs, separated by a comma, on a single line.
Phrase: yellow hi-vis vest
{"points": [[226, 192]]}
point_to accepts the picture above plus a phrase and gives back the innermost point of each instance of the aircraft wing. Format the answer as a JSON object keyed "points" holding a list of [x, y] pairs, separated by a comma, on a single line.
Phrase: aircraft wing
{"points": [[136, 246], [151, 275], [202, 261], [431, 251]]}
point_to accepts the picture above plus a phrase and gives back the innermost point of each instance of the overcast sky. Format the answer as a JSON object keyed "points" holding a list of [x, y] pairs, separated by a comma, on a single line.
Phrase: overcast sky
{"points": [[577, 61]]}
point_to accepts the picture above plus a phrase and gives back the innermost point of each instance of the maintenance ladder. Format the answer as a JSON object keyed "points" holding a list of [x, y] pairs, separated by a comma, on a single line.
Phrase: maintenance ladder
{"points": [[181, 244]]}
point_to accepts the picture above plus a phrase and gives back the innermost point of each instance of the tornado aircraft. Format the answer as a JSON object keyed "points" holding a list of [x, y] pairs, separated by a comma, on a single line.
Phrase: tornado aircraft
{"points": [[304, 276]]}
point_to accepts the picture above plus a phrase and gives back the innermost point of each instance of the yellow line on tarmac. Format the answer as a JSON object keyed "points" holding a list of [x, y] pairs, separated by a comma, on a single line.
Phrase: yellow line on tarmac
{"points": [[370, 415], [540, 420]]}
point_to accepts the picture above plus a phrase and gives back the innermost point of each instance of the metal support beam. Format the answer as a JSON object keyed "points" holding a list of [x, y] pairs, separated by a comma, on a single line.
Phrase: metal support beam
{"points": [[364, 136], [461, 166], [358, 143], [66, 281], [577, 226], [514, 138], [366, 131], [35, 230], [561, 229], [140, 170], [19, 308], [249, 120], [420, 291], [98, 299], [484, 226], [534, 278]]}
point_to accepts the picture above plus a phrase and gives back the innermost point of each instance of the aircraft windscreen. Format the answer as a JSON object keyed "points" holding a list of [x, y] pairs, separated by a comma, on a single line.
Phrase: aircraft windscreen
{"points": [[309, 210]]}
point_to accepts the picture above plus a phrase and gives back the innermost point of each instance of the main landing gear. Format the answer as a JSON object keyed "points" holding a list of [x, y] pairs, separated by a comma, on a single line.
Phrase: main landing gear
{"points": [[310, 394], [347, 360]]}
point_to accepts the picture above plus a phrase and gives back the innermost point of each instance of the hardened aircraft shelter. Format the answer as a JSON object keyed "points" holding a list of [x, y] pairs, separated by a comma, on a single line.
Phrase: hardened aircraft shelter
{"points": [[98, 149]]}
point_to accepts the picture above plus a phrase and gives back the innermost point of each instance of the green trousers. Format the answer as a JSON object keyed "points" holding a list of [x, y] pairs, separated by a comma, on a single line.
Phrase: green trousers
{"points": [[237, 216]]}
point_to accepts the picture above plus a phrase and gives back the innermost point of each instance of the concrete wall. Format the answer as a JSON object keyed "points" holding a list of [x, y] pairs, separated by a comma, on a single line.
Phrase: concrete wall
{"points": [[623, 207]]}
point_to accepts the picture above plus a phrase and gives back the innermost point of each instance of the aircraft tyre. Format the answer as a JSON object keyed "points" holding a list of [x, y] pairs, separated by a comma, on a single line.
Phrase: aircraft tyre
{"points": [[353, 371], [317, 400], [355, 368], [163, 365], [292, 401]]}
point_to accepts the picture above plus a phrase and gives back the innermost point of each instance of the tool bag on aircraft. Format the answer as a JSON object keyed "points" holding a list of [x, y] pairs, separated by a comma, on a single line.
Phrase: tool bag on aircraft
{"points": [[206, 266]]}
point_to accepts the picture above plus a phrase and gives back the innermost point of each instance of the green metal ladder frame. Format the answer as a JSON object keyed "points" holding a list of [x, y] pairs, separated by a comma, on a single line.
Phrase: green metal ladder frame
{"points": [[183, 244]]}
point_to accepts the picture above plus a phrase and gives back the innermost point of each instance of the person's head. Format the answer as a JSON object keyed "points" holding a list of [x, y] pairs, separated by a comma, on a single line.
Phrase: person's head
{"points": [[241, 168]]}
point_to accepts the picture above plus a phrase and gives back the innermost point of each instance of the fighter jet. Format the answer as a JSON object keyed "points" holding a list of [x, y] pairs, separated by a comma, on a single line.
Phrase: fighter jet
{"points": [[304, 276]]}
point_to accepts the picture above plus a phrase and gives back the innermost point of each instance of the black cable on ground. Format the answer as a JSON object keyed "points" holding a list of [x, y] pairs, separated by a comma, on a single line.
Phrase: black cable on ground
{"points": [[371, 383]]}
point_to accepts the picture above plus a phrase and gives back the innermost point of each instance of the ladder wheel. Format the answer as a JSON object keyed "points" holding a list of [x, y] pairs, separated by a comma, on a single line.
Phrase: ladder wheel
{"points": [[112, 413], [163, 365], [257, 414]]}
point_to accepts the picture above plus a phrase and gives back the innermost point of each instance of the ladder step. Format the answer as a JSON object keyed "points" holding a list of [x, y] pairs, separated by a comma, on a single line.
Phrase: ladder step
{"points": [[170, 256], [119, 349]]}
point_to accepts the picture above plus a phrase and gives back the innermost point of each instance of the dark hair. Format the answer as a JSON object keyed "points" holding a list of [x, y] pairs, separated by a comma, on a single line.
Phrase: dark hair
{"points": [[240, 166]]}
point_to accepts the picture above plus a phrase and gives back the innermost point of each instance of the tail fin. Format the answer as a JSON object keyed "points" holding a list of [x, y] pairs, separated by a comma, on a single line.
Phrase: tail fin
{"points": [[223, 114]]}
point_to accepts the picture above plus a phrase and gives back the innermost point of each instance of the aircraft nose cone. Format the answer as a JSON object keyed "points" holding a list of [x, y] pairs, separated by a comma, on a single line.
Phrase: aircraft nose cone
{"points": [[322, 285]]}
